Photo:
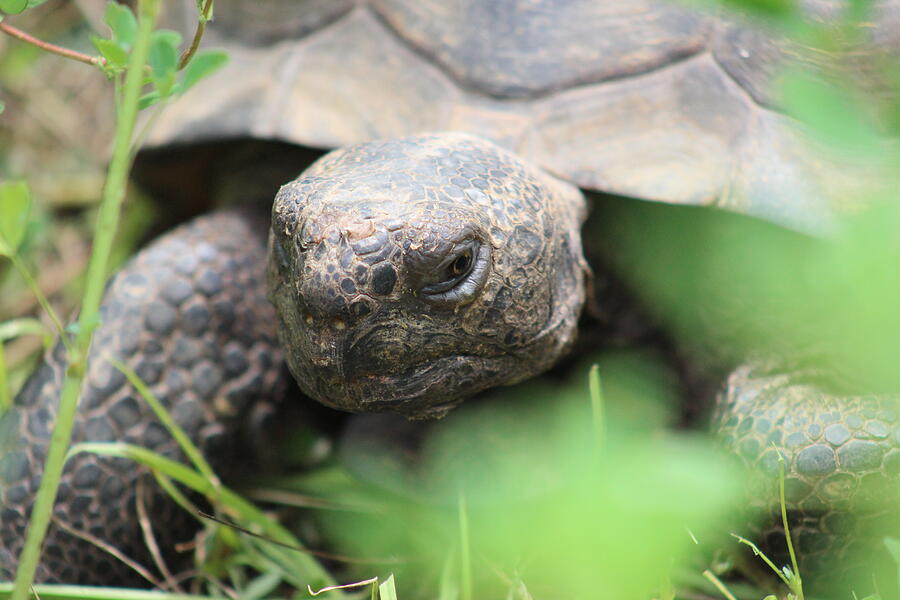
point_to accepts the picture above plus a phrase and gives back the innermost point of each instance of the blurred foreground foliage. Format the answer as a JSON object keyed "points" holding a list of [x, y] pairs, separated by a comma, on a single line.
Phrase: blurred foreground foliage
{"points": [[525, 495], [828, 301], [544, 515]]}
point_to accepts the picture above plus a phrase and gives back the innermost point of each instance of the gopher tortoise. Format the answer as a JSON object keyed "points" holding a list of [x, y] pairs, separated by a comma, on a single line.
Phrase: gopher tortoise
{"points": [[410, 270]]}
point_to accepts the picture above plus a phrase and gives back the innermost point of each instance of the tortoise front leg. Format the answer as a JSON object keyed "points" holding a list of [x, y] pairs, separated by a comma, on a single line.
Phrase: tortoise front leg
{"points": [[189, 315]]}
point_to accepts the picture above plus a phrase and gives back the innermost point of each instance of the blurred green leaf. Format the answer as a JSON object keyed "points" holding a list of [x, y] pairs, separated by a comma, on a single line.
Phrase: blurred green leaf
{"points": [[732, 286], [115, 56], [777, 12], [263, 586], [18, 327], [201, 65], [830, 110], [768, 8], [163, 59], [858, 10], [149, 99], [122, 24], [893, 547], [15, 204], [13, 7], [542, 506]]}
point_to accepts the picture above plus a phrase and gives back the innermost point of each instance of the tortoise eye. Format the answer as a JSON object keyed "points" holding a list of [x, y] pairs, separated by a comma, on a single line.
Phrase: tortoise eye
{"points": [[461, 275], [461, 264]]}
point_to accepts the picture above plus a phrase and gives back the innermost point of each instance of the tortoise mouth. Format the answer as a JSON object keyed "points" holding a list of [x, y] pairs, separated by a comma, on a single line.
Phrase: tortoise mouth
{"points": [[427, 389]]}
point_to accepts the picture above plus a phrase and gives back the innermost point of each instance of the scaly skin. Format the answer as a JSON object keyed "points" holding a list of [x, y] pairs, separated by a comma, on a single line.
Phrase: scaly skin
{"points": [[842, 464], [189, 315]]}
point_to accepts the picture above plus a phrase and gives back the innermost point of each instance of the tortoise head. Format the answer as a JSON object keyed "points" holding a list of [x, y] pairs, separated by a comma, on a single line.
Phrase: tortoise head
{"points": [[410, 274]]}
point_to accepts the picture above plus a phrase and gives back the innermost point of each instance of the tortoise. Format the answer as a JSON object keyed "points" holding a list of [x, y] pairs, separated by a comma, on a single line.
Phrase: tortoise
{"points": [[411, 269]]}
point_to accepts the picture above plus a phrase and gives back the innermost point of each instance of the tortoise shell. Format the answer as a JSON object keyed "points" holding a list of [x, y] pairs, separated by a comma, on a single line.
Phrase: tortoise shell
{"points": [[645, 99]]}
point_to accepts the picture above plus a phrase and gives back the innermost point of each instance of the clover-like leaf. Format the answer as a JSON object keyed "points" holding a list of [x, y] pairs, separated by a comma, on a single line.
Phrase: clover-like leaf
{"points": [[15, 203], [13, 7], [116, 57], [149, 99], [122, 24], [202, 65], [163, 59]]}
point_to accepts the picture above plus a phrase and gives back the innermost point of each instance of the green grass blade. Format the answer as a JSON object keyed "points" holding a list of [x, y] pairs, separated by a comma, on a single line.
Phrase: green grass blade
{"points": [[387, 590], [597, 405], [79, 592], [307, 567], [184, 442], [719, 585], [795, 582], [465, 551]]}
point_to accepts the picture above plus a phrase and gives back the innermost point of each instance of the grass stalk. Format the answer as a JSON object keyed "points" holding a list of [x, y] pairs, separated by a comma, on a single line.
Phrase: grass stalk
{"points": [[465, 549], [81, 592], [796, 583], [762, 555], [107, 222], [719, 585], [184, 441], [242, 509], [597, 408], [5, 399], [41, 298]]}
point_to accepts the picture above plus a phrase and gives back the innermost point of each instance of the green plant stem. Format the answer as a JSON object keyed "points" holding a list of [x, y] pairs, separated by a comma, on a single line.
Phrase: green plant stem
{"points": [[43, 505], [796, 583], [763, 557], [719, 585], [202, 18], [107, 222], [8, 29], [117, 176]]}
